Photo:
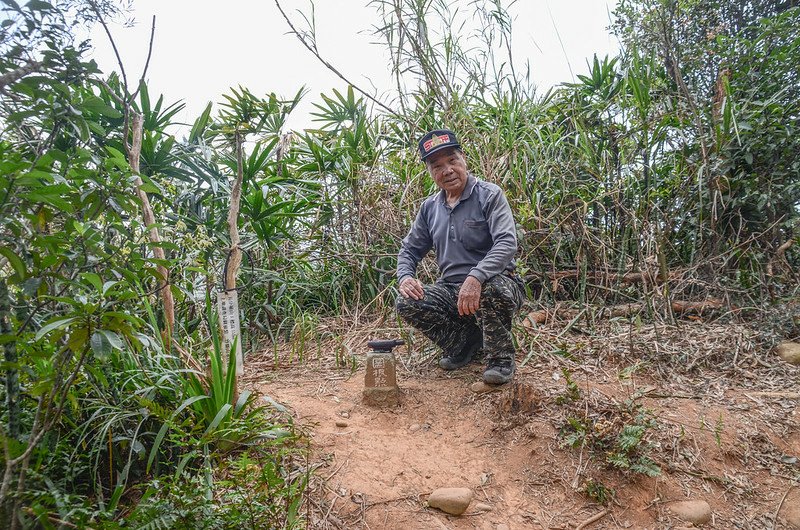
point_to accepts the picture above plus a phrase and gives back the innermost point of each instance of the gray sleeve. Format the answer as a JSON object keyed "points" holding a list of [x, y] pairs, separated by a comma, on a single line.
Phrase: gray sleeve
{"points": [[414, 247], [504, 237]]}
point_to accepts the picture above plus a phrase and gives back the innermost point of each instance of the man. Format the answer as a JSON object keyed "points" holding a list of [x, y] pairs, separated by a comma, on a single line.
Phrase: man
{"points": [[470, 226]]}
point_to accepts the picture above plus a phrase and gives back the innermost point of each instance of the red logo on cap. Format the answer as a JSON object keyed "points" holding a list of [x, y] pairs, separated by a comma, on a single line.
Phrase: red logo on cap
{"points": [[435, 141]]}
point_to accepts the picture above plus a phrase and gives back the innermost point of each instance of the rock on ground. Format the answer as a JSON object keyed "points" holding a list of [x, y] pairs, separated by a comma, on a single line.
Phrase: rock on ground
{"points": [[482, 388], [789, 352], [451, 500], [695, 512]]}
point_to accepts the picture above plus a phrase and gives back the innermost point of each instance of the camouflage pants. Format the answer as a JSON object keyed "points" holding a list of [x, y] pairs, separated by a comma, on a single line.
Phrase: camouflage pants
{"points": [[436, 315]]}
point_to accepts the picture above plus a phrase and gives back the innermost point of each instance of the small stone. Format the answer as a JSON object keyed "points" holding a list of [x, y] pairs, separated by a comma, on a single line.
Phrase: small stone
{"points": [[695, 512], [482, 388], [451, 500], [483, 507], [345, 414], [414, 427], [789, 352], [503, 527], [341, 423]]}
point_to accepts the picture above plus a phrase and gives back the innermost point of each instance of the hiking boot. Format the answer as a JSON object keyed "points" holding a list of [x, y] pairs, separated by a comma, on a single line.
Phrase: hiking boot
{"points": [[454, 361], [479, 357], [499, 372]]}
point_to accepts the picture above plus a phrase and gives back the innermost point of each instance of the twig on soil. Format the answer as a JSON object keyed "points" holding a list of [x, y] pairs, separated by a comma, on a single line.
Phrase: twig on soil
{"points": [[780, 505], [592, 519], [330, 509], [783, 395], [346, 460], [403, 498], [703, 476], [329, 518], [486, 495], [670, 396]]}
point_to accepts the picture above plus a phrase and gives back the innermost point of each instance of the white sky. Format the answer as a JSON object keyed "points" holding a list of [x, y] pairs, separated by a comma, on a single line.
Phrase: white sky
{"points": [[204, 48]]}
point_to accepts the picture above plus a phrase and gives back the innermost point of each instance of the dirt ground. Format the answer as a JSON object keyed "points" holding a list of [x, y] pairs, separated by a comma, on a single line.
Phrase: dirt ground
{"points": [[725, 430]]}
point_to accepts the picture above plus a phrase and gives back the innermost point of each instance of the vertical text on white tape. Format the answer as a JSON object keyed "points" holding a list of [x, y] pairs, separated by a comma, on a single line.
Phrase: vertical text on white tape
{"points": [[228, 307]]}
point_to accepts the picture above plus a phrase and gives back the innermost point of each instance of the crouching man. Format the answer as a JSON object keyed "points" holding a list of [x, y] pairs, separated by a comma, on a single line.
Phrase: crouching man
{"points": [[470, 226]]}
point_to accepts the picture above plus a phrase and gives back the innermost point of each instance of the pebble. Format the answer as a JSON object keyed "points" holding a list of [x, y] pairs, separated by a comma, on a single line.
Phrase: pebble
{"points": [[345, 414], [789, 352], [482, 388], [341, 423], [483, 507], [414, 427], [695, 512], [503, 527], [451, 500]]}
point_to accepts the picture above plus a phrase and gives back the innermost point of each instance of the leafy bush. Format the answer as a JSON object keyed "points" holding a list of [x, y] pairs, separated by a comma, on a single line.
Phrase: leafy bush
{"points": [[261, 488], [618, 436]]}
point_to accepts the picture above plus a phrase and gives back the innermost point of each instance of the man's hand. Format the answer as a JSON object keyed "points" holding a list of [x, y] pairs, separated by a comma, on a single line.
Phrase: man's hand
{"points": [[411, 288], [469, 297]]}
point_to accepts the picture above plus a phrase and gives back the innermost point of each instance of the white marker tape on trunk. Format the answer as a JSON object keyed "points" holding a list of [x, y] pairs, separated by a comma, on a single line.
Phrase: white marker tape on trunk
{"points": [[228, 307]]}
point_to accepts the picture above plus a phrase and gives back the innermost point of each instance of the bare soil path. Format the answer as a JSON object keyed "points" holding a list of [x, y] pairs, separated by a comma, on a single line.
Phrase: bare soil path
{"points": [[718, 435]]}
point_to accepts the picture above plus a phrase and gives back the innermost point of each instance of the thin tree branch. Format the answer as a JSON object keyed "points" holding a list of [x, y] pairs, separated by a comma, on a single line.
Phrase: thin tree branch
{"points": [[111, 40], [126, 107], [147, 62], [111, 93], [17, 74], [329, 66]]}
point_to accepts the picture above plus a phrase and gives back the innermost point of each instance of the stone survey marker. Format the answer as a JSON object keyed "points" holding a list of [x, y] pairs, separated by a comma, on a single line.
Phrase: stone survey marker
{"points": [[380, 378]]}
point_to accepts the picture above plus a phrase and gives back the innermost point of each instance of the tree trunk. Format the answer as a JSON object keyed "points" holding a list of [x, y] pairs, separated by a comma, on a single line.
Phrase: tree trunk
{"points": [[234, 260], [134, 152], [235, 253]]}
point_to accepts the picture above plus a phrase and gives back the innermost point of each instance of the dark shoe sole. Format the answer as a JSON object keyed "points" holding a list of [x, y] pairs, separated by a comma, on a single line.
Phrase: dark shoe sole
{"points": [[446, 363], [497, 377], [472, 347]]}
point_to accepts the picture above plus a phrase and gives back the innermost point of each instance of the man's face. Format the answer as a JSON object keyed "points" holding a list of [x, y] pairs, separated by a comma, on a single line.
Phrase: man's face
{"points": [[448, 168]]}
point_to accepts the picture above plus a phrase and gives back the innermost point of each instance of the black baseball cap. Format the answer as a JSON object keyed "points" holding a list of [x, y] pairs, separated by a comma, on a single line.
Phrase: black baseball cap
{"points": [[436, 140]]}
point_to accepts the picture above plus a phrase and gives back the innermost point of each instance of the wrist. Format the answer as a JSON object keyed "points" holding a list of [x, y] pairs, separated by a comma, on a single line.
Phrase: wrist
{"points": [[476, 277]]}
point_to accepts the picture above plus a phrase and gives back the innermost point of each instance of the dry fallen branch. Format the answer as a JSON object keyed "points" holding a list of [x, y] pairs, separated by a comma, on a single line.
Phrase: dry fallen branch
{"points": [[780, 505], [543, 316], [681, 307], [780, 395], [591, 520]]}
